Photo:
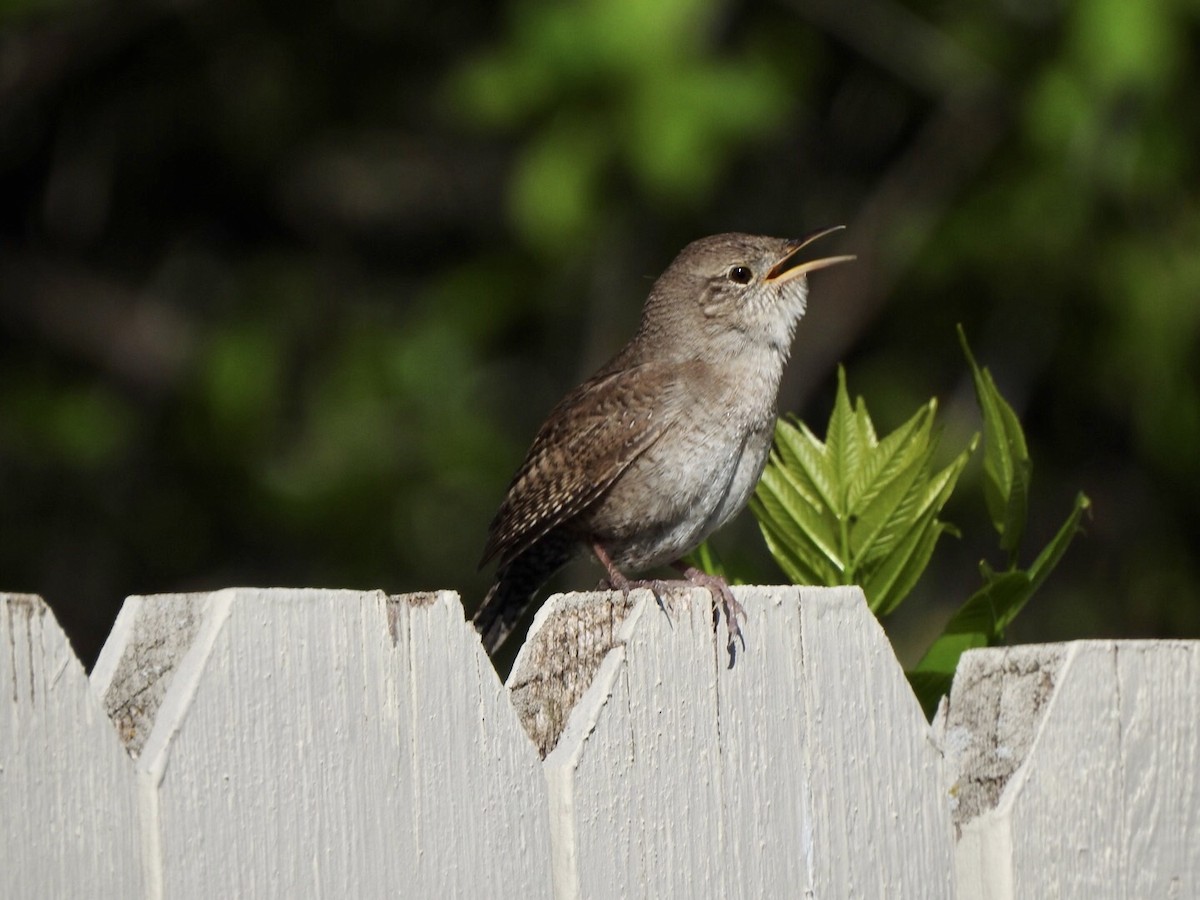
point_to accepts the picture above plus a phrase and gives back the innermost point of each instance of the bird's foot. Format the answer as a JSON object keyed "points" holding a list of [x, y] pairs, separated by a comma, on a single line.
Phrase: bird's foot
{"points": [[619, 582], [656, 586], [723, 599]]}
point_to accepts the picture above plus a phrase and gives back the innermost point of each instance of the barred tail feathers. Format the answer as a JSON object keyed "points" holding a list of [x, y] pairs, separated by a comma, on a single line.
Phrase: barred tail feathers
{"points": [[515, 586]]}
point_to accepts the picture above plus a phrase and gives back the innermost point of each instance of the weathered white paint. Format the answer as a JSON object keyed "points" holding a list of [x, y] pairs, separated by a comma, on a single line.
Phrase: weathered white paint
{"points": [[68, 821], [1075, 769], [336, 743], [327, 744], [806, 767]]}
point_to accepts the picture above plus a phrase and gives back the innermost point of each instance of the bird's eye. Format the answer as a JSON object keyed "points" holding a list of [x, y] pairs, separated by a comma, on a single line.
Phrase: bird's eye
{"points": [[740, 274]]}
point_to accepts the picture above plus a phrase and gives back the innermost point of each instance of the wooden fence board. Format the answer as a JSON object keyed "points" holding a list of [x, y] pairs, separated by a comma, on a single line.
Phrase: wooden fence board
{"points": [[311, 743], [68, 820], [1076, 770], [807, 766], [336, 743]]}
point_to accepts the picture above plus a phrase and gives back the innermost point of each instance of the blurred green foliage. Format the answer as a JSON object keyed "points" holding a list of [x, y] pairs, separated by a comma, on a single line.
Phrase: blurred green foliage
{"points": [[615, 88], [286, 288]]}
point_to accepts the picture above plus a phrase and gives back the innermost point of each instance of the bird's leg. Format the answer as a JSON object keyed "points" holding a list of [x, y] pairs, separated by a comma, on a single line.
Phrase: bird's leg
{"points": [[618, 581], [722, 597], [616, 578]]}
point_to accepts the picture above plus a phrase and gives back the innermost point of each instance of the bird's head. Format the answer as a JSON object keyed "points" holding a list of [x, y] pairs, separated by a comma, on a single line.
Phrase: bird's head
{"points": [[737, 289]]}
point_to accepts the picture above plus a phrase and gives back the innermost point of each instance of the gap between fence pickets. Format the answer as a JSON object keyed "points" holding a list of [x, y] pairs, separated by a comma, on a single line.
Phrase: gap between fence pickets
{"points": [[67, 811], [139, 660]]}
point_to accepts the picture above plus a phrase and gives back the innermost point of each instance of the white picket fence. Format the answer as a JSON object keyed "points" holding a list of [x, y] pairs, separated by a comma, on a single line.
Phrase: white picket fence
{"points": [[309, 743]]}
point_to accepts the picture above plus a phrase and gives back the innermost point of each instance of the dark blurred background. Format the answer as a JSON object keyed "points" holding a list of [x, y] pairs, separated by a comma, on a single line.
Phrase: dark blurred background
{"points": [[286, 288]]}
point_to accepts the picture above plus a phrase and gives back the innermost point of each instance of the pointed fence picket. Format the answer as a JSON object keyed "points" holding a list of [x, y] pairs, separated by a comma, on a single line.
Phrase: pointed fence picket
{"points": [[316, 743]]}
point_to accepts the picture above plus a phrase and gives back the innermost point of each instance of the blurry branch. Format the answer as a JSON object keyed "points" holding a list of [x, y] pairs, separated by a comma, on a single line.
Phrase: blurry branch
{"points": [[141, 340], [896, 220], [896, 39]]}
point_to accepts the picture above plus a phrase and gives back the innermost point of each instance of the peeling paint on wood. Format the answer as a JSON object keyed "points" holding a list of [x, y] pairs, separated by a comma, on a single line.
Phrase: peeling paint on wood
{"points": [[344, 743]]}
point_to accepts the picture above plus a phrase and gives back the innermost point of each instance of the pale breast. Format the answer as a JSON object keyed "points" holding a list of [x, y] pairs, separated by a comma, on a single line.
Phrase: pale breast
{"points": [[695, 478]]}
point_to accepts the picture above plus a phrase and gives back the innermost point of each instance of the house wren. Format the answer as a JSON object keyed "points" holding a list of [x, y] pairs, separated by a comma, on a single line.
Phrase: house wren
{"points": [[665, 444]]}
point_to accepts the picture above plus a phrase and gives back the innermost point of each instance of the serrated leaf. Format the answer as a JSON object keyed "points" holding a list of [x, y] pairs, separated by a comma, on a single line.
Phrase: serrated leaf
{"points": [[941, 485], [885, 538], [890, 513], [1006, 463], [865, 427], [900, 570], [799, 557], [924, 501], [842, 446], [793, 515], [811, 458], [793, 558], [889, 583], [784, 458], [786, 437], [891, 455]]}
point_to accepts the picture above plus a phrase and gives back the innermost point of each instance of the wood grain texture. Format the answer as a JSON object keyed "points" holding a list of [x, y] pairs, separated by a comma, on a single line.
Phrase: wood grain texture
{"points": [[1099, 746], [68, 818], [307, 743], [807, 767], [331, 743]]}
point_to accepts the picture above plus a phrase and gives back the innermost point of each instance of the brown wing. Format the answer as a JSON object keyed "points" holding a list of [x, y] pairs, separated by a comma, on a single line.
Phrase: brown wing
{"points": [[589, 439]]}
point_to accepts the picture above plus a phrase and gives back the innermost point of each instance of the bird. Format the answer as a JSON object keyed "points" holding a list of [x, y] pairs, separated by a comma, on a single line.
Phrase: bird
{"points": [[666, 442]]}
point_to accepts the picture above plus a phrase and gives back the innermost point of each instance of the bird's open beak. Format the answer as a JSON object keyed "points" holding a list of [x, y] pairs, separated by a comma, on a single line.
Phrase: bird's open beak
{"points": [[787, 268]]}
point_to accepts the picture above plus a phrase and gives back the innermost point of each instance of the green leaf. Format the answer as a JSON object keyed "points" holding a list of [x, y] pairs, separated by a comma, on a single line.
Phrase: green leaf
{"points": [[842, 446], [930, 687], [895, 578], [890, 514], [977, 622], [892, 454], [805, 455], [982, 620], [913, 553], [941, 486], [793, 559], [1049, 557], [923, 502], [892, 581], [1006, 464], [796, 523], [864, 426], [794, 453], [855, 509]]}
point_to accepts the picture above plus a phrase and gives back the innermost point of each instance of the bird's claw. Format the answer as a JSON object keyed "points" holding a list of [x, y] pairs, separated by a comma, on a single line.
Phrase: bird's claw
{"points": [[722, 596], [723, 599]]}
